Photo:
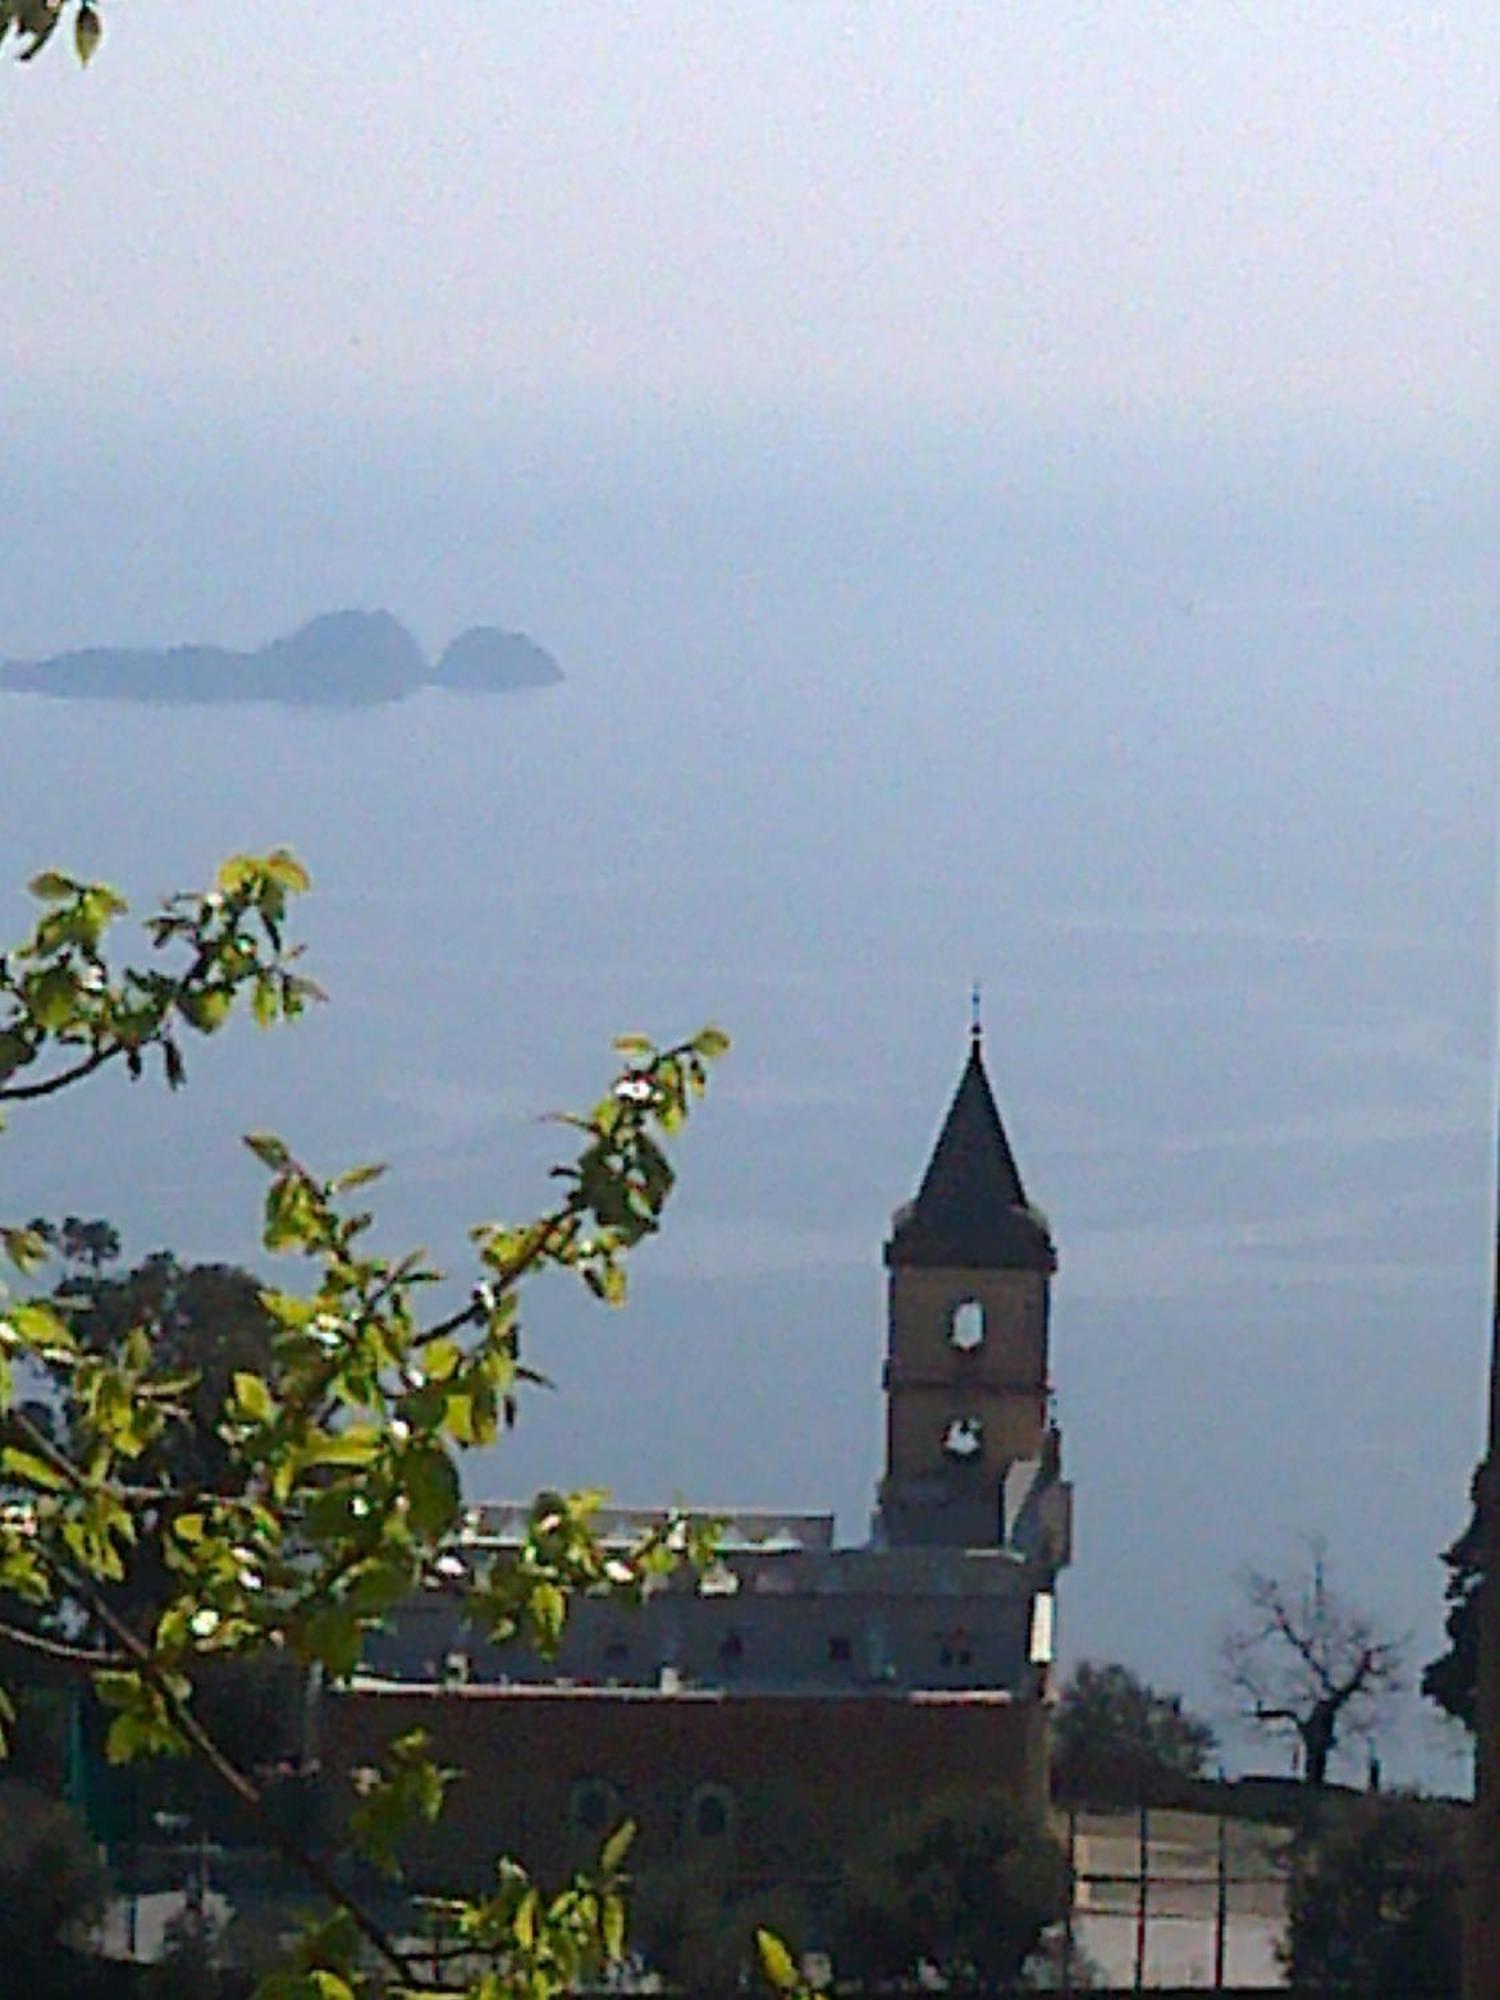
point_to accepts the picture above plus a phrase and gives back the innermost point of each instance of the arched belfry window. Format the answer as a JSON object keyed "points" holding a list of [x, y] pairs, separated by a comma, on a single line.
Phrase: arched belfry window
{"points": [[963, 1439], [966, 1326]]}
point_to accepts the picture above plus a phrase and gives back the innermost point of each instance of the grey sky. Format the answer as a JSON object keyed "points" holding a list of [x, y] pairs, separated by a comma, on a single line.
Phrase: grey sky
{"points": [[1217, 213]]}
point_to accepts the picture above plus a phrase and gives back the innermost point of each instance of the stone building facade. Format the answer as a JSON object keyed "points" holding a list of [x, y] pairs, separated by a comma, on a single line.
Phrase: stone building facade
{"points": [[798, 1684]]}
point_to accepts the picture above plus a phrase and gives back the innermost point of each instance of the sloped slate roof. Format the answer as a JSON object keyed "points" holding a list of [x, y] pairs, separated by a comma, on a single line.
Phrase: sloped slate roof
{"points": [[971, 1209]]}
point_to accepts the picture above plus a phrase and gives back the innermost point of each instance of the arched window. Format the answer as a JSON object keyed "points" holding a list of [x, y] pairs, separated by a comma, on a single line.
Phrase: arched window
{"points": [[966, 1326], [711, 1817], [731, 1649], [593, 1808]]}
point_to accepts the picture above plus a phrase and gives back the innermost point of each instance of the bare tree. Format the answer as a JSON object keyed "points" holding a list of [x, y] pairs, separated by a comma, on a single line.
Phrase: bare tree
{"points": [[1306, 1663]]}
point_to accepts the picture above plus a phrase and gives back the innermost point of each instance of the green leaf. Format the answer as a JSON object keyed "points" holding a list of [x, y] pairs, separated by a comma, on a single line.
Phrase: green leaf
{"points": [[776, 1962], [287, 871], [523, 1923], [236, 874], [432, 1488], [709, 1043], [86, 33], [54, 999], [549, 1611], [355, 1446], [207, 1009], [332, 1636], [612, 1854], [51, 886], [35, 1471], [253, 1397], [15, 1052], [40, 1327], [24, 1247], [269, 1150]]}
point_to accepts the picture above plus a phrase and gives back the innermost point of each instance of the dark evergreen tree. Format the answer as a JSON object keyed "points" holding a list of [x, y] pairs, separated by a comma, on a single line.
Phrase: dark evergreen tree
{"points": [[1451, 1679]]}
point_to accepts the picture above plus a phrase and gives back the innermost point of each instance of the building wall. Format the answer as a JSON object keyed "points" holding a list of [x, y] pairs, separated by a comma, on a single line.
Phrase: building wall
{"points": [[797, 1781]]}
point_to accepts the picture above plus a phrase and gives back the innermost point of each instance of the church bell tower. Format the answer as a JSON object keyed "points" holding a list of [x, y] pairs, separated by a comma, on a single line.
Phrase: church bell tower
{"points": [[966, 1372]]}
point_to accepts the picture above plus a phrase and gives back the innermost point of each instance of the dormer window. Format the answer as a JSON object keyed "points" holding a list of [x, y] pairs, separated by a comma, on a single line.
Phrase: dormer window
{"points": [[955, 1649], [966, 1326]]}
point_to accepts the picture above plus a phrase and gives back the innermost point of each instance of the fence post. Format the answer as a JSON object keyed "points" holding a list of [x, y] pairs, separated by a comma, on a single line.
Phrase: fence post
{"points": [[1067, 1941], [1142, 1893], [1221, 1907]]}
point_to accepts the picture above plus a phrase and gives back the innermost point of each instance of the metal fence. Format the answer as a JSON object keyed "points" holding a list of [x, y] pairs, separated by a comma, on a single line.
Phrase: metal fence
{"points": [[1172, 1899]]}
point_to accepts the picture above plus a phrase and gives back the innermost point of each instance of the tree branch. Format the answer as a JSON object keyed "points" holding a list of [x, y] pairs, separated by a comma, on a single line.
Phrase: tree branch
{"points": [[82, 1657], [48, 1086]]}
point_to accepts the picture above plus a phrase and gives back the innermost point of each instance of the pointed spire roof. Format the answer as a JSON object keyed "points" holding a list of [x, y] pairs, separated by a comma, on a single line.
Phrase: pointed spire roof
{"points": [[971, 1209]]}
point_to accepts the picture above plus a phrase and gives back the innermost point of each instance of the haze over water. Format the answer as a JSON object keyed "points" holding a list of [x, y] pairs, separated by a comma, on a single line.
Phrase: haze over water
{"points": [[1197, 776]]}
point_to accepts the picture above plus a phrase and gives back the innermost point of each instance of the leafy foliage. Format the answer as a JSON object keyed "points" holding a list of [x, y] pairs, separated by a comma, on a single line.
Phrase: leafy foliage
{"points": [[966, 1884], [1118, 1741], [1307, 1664], [287, 1495], [1375, 1901], [66, 1012]]}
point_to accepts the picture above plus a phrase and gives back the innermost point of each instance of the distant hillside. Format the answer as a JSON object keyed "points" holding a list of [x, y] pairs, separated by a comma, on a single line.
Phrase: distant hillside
{"points": [[342, 659]]}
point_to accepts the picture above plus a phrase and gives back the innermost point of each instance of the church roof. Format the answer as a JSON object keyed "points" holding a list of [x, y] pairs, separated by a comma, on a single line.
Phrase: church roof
{"points": [[971, 1209]]}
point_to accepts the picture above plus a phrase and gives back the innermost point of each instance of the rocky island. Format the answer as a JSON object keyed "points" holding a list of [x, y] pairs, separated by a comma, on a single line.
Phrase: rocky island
{"points": [[341, 659]]}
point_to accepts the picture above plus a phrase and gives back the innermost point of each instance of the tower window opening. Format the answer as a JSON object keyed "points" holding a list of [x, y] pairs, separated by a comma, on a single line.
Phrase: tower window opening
{"points": [[966, 1326], [732, 1648], [963, 1439], [955, 1649], [840, 1648]]}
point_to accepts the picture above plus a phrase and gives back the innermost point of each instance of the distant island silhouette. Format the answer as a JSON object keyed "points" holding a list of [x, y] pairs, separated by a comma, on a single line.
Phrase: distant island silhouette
{"points": [[341, 659]]}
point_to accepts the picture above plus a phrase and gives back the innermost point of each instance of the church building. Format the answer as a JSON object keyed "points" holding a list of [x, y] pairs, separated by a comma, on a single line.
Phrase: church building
{"points": [[756, 1718]]}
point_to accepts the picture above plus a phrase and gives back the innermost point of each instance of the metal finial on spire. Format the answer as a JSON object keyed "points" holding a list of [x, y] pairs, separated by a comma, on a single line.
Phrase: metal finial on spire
{"points": [[976, 1020]]}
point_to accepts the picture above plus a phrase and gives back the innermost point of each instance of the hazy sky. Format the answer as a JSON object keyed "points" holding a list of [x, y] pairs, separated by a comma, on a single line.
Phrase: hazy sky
{"points": [[1119, 213]]}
